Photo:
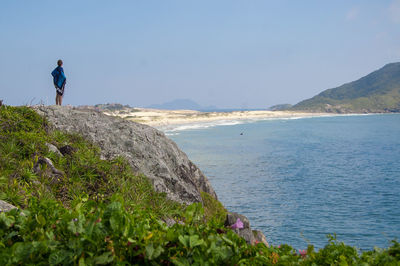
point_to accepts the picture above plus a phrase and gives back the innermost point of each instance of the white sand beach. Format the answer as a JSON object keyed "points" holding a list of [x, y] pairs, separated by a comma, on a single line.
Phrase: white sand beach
{"points": [[163, 118]]}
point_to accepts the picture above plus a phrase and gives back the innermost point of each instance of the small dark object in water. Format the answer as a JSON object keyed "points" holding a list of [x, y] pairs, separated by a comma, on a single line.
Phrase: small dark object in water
{"points": [[241, 134]]}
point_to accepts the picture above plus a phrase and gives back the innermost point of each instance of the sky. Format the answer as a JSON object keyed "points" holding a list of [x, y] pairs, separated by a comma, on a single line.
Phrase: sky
{"points": [[230, 54]]}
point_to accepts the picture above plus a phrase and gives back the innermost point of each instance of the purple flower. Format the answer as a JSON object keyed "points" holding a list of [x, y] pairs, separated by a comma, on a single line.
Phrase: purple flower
{"points": [[238, 224]]}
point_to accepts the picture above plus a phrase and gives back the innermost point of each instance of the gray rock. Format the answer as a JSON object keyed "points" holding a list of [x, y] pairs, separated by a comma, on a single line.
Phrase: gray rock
{"points": [[260, 237], [244, 232], [232, 217], [44, 167], [169, 221], [53, 148], [247, 234], [147, 150], [5, 207], [251, 236]]}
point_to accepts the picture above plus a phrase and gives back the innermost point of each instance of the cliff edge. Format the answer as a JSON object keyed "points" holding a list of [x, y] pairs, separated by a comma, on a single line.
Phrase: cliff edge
{"points": [[147, 150]]}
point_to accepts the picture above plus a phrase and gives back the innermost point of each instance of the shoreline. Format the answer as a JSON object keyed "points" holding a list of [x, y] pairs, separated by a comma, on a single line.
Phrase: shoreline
{"points": [[169, 119]]}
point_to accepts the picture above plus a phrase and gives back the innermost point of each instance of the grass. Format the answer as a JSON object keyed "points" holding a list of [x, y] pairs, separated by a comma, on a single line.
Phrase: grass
{"points": [[213, 209], [24, 135]]}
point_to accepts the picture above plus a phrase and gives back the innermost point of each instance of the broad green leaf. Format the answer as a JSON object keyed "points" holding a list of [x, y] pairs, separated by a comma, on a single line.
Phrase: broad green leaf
{"points": [[152, 252], [6, 219], [104, 258], [157, 252], [21, 251], [227, 240], [82, 261], [72, 227], [115, 223], [194, 241], [58, 257], [184, 240], [181, 261]]}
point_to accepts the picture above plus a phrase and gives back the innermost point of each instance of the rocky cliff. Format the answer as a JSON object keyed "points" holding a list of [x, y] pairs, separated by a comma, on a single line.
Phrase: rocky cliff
{"points": [[147, 150]]}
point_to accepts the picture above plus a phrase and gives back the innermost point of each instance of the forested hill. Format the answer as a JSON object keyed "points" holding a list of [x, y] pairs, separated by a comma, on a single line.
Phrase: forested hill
{"points": [[379, 91]]}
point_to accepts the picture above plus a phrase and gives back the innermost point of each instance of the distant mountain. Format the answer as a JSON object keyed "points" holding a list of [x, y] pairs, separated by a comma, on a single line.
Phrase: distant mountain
{"points": [[379, 91], [280, 107], [181, 104]]}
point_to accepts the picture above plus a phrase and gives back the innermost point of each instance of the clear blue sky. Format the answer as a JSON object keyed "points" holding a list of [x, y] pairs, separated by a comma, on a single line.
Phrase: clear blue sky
{"points": [[231, 54]]}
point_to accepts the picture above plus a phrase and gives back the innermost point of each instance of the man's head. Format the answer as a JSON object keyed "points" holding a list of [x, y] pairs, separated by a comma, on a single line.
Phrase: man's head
{"points": [[59, 62]]}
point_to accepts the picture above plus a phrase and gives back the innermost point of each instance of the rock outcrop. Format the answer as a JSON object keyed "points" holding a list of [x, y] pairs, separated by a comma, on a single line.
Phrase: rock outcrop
{"points": [[5, 207], [147, 150], [244, 229], [45, 167]]}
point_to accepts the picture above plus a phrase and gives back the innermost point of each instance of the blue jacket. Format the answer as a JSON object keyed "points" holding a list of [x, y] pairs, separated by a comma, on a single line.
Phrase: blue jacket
{"points": [[59, 78]]}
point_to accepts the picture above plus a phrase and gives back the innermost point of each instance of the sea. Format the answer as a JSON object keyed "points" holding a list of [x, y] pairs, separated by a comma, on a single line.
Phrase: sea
{"points": [[300, 180]]}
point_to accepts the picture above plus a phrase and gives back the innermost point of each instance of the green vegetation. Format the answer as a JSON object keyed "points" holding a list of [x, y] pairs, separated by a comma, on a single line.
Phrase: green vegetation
{"points": [[376, 92], [280, 107], [24, 135], [213, 209], [99, 212]]}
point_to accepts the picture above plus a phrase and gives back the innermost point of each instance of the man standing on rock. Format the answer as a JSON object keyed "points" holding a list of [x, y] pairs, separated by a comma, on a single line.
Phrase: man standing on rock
{"points": [[59, 81]]}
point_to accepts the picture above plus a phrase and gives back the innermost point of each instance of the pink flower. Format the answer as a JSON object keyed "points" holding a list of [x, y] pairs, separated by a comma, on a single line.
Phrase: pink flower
{"points": [[303, 253], [238, 224]]}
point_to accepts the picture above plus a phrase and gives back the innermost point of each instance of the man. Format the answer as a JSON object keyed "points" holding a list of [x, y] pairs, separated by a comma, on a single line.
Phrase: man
{"points": [[59, 81]]}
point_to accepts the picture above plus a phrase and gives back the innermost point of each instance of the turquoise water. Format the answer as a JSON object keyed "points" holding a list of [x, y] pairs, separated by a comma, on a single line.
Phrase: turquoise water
{"points": [[299, 180]]}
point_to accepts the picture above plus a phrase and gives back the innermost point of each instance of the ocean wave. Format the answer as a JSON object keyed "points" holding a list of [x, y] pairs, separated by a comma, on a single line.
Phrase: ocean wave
{"points": [[171, 133], [171, 130]]}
